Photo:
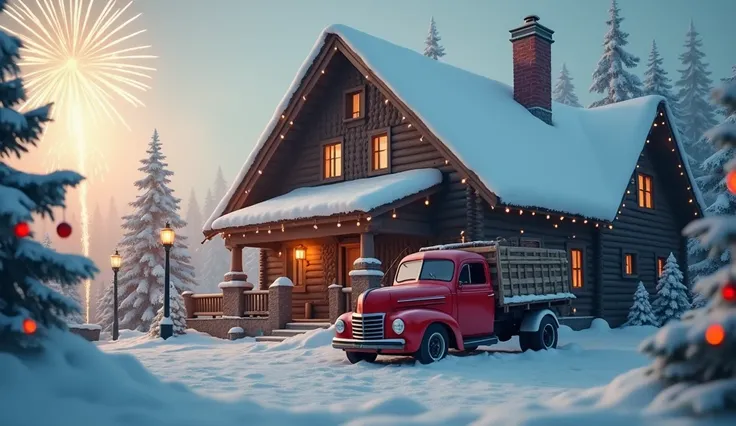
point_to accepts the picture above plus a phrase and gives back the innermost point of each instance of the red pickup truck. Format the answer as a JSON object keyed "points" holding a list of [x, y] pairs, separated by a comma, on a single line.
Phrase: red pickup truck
{"points": [[460, 296]]}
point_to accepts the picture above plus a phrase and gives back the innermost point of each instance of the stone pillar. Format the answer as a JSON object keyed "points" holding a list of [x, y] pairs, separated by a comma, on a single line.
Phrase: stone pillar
{"points": [[336, 300], [367, 247], [366, 274], [279, 302], [236, 273], [233, 299], [188, 303]]}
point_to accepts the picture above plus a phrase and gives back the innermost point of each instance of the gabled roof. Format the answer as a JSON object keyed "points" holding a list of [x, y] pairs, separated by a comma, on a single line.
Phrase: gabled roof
{"points": [[580, 166]]}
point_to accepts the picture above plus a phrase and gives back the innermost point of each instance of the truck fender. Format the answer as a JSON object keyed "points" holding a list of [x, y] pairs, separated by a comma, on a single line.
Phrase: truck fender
{"points": [[423, 318], [531, 321]]}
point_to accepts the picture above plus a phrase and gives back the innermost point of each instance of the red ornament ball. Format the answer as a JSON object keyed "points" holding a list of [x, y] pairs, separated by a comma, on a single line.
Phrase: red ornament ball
{"points": [[728, 292], [29, 326], [731, 181], [22, 230], [64, 230]]}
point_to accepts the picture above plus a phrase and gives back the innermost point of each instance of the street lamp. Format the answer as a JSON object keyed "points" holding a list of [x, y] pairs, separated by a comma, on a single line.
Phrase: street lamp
{"points": [[115, 262], [167, 239]]}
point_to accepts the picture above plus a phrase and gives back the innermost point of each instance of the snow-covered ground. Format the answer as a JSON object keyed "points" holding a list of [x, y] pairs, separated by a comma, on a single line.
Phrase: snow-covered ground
{"points": [[306, 371]]}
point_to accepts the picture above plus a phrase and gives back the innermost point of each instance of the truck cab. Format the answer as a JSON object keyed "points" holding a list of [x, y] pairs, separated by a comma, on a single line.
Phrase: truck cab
{"points": [[440, 299]]}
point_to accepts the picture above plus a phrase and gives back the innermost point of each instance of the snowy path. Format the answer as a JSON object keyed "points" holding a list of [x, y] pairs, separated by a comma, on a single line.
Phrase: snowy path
{"points": [[305, 371]]}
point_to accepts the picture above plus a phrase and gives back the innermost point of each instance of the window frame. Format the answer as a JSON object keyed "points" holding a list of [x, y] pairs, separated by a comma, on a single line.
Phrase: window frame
{"points": [[635, 263], [467, 264], [581, 247], [379, 132], [657, 258], [347, 102], [322, 169], [643, 178]]}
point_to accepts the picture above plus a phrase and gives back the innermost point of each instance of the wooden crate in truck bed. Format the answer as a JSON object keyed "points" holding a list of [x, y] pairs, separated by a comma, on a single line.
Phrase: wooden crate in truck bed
{"points": [[522, 275]]}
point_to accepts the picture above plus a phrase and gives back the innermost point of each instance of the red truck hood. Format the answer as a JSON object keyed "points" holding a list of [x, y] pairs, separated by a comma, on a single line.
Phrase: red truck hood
{"points": [[406, 296]]}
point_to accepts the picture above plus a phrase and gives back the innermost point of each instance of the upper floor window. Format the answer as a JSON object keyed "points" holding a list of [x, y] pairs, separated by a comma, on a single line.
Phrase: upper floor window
{"points": [[660, 266], [379, 152], [354, 103], [576, 267], [332, 158], [645, 191], [630, 265]]}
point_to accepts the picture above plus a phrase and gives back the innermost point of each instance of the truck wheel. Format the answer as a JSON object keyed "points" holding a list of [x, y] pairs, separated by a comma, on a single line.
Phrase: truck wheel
{"points": [[356, 357], [544, 338], [434, 345]]}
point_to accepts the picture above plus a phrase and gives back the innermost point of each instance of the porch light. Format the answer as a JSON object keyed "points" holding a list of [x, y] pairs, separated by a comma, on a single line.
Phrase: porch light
{"points": [[300, 253]]}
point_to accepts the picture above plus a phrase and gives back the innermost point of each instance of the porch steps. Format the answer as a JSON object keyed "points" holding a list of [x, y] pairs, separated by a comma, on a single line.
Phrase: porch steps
{"points": [[292, 329]]}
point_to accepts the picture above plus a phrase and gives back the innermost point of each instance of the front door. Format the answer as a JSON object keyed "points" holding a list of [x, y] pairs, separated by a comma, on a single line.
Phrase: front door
{"points": [[476, 301], [350, 253]]}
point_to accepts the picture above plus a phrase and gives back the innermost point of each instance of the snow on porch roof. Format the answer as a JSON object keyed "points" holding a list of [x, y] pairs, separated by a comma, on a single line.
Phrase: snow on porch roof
{"points": [[581, 165], [355, 196]]}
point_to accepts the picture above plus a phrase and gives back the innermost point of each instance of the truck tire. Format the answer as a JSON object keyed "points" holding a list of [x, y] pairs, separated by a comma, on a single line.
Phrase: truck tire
{"points": [[434, 346], [356, 357], [544, 338]]}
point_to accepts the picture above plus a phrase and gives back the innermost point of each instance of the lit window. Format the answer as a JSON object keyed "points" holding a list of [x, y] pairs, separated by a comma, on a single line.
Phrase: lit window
{"points": [[332, 160], [379, 149], [629, 264], [576, 261], [660, 266], [354, 105], [645, 191]]}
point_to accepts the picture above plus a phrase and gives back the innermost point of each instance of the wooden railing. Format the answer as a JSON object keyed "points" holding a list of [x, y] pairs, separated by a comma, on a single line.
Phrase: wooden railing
{"points": [[256, 303], [207, 305], [347, 294]]}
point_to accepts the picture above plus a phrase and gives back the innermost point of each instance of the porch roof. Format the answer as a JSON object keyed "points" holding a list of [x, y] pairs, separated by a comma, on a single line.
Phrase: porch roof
{"points": [[351, 197]]}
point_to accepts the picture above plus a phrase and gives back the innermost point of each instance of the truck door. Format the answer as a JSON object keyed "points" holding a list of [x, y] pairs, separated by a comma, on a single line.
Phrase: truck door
{"points": [[475, 300]]}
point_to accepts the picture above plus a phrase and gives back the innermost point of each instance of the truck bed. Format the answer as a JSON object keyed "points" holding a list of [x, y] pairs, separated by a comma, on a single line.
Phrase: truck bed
{"points": [[522, 275]]}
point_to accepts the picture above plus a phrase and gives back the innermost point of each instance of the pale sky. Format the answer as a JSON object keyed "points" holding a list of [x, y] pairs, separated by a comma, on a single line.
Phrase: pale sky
{"points": [[223, 65]]}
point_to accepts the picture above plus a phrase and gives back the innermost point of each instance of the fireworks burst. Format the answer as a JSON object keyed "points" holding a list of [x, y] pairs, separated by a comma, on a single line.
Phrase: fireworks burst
{"points": [[84, 59]]}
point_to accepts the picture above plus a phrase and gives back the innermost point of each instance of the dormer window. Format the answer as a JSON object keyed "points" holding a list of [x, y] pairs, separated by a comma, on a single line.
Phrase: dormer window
{"points": [[354, 104], [645, 191]]}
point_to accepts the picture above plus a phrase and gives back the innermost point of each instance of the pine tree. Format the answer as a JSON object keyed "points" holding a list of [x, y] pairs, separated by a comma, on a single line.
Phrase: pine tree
{"points": [[105, 307], [193, 231], [177, 315], [641, 311], [672, 295], [70, 292], [656, 80], [610, 75], [694, 356], [98, 253], [696, 115], [25, 264], [142, 273], [432, 47], [564, 91], [215, 255]]}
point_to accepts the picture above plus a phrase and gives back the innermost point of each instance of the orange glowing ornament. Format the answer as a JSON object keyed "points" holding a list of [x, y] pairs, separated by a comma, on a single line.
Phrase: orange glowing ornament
{"points": [[29, 326], [731, 181], [715, 334]]}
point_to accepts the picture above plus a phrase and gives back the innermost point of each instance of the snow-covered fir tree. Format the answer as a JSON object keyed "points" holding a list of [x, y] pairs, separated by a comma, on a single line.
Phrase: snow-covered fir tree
{"points": [[432, 47], [193, 231], [105, 307], [640, 312], [564, 90], [696, 114], [71, 292], [610, 75], [656, 79], [177, 315], [141, 277], [215, 261], [694, 357], [28, 308], [672, 299]]}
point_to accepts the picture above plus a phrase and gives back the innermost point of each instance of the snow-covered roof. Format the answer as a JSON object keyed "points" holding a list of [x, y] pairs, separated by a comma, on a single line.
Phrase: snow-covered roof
{"points": [[581, 165], [354, 196]]}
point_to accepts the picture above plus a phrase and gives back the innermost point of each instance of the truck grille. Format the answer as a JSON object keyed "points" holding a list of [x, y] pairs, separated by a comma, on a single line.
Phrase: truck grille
{"points": [[368, 326]]}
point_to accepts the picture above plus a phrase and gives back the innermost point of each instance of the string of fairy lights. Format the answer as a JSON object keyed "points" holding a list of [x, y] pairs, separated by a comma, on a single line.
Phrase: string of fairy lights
{"points": [[287, 123]]}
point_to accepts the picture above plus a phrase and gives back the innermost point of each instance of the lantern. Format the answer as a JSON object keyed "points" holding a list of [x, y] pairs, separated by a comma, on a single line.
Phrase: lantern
{"points": [[300, 253], [167, 236]]}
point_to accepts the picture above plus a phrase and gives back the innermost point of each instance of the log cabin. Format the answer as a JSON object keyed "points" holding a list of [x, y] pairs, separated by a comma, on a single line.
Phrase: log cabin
{"points": [[377, 150]]}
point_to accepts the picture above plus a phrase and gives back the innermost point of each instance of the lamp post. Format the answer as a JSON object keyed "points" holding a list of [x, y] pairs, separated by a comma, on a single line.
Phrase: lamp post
{"points": [[167, 239], [115, 262]]}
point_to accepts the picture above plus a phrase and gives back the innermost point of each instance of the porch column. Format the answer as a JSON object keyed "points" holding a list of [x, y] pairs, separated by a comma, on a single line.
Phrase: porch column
{"points": [[236, 277], [367, 248], [365, 275]]}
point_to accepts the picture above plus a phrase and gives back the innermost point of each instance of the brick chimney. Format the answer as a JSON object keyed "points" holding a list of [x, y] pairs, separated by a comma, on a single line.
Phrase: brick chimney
{"points": [[532, 44]]}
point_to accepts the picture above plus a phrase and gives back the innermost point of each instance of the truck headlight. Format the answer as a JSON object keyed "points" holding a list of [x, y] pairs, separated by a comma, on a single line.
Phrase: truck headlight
{"points": [[397, 326], [339, 326]]}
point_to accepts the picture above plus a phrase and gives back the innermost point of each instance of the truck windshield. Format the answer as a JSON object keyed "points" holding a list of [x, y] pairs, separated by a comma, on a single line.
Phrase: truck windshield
{"points": [[432, 269]]}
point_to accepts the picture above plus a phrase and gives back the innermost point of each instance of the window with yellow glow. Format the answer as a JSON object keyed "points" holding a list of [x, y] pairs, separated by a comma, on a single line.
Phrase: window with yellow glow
{"points": [[379, 149], [629, 264], [576, 262], [353, 105], [645, 191], [332, 160], [660, 266]]}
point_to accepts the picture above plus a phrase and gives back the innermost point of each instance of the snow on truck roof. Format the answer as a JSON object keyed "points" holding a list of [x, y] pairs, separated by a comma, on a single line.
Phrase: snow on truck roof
{"points": [[581, 165]]}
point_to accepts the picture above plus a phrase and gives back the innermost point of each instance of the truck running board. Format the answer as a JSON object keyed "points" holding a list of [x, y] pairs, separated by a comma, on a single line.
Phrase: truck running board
{"points": [[480, 341]]}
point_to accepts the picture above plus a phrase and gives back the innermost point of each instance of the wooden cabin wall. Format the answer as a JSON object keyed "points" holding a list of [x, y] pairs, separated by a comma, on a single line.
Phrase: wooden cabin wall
{"points": [[648, 232]]}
